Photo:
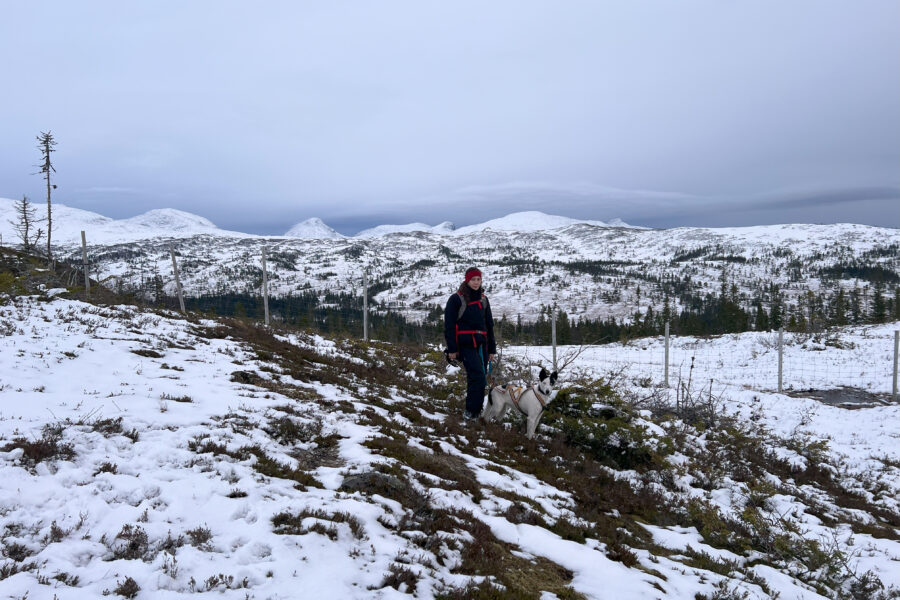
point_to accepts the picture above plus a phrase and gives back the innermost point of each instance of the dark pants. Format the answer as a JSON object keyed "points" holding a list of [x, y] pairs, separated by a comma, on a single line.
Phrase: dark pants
{"points": [[475, 361]]}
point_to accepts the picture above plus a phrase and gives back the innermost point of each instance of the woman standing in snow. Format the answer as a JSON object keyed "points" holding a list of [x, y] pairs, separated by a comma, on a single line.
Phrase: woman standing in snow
{"points": [[469, 333]]}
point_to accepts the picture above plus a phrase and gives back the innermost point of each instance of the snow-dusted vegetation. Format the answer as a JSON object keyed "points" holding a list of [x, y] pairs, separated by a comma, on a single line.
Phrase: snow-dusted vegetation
{"points": [[145, 455]]}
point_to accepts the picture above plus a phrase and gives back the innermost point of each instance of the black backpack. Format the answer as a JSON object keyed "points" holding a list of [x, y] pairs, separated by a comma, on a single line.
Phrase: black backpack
{"points": [[463, 305]]}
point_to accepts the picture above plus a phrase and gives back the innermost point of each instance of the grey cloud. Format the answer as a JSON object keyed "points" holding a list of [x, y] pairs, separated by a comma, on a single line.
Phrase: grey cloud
{"points": [[869, 205], [259, 117]]}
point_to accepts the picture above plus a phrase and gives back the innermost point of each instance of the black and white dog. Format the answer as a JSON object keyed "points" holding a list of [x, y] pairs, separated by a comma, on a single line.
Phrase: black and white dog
{"points": [[530, 401]]}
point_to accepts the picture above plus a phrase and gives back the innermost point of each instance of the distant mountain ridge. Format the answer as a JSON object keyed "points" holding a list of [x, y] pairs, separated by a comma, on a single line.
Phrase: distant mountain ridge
{"points": [[589, 269], [518, 221], [443, 228], [69, 222], [527, 221], [171, 222]]}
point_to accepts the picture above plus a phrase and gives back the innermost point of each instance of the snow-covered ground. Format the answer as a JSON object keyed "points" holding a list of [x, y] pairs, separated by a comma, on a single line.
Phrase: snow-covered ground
{"points": [[207, 515], [858, 357], [741, 370]]}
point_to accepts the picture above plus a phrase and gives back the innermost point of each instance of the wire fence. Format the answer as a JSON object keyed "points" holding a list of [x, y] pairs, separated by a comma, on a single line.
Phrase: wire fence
{"points": [[858, 358], [862, 357]]}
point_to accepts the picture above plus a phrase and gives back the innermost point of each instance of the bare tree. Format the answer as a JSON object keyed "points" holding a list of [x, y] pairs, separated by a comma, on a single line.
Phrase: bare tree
{"points": [[46, 144], [571, 355], [522, 369], [26, 225]]}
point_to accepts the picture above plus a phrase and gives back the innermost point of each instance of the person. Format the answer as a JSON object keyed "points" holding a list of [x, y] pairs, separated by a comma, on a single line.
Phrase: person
{"points": [[469, 335]]}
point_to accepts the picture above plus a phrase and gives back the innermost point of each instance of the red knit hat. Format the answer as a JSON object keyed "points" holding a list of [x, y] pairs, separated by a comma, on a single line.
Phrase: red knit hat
{"points": [[472, 272]]}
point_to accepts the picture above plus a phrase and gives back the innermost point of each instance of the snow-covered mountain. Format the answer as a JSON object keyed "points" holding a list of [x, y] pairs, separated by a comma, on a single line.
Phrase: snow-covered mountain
{"points": [[531, 220], [313, 229], [69, 222], [169, 220], [530, 260], [382, 230], [445, 227], [617, 222]]}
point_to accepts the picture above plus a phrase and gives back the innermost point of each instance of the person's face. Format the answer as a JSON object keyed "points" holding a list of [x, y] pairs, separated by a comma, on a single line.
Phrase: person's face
{"points": [[475, 282]]}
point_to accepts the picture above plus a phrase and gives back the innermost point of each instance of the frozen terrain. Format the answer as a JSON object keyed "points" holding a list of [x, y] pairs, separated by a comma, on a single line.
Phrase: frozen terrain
{"points": [[190, 458]]}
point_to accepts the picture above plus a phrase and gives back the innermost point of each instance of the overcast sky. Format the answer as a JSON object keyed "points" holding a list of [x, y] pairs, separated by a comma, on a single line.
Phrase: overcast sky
{"points": [[260, 115]]}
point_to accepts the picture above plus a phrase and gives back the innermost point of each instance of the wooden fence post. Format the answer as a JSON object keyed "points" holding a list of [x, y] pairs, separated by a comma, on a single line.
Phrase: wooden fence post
{"points": [[177, 281], [666, 380], [265, 285], [84, 265], [365, 308], [780, 357]]}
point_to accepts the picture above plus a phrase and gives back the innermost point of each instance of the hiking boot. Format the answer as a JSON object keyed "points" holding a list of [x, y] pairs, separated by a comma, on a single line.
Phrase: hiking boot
{"points": [[470, 416]]}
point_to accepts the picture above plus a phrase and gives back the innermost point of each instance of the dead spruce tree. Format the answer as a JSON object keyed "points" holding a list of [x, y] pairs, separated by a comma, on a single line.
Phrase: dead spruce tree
{"points": [[47, 145], [26, 225]]}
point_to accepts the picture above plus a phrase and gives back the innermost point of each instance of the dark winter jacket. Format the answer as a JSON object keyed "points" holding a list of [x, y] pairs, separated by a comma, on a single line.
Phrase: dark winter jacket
{"points": [[475, 327]]}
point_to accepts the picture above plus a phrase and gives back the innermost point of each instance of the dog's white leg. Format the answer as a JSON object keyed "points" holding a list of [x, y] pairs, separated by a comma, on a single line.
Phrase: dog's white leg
{"points": [[494, 405], [532, 425]]}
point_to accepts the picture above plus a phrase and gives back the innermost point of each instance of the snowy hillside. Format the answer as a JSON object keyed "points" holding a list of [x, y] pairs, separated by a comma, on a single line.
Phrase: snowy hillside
{"points": [[69, 221], [588, 271], [143, 451], [530, 260]]}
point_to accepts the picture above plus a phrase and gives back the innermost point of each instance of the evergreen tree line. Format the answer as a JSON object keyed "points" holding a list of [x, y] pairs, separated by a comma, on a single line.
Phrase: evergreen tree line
{"points": [[325, 312], [710, 314], [714, 314]]}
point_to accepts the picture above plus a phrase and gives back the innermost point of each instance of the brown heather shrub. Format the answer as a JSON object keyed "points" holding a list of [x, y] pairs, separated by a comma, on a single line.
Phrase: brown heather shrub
{"points": [[128, 588], [48, 447], [400, 576], [292, 524], [131, 543]]}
